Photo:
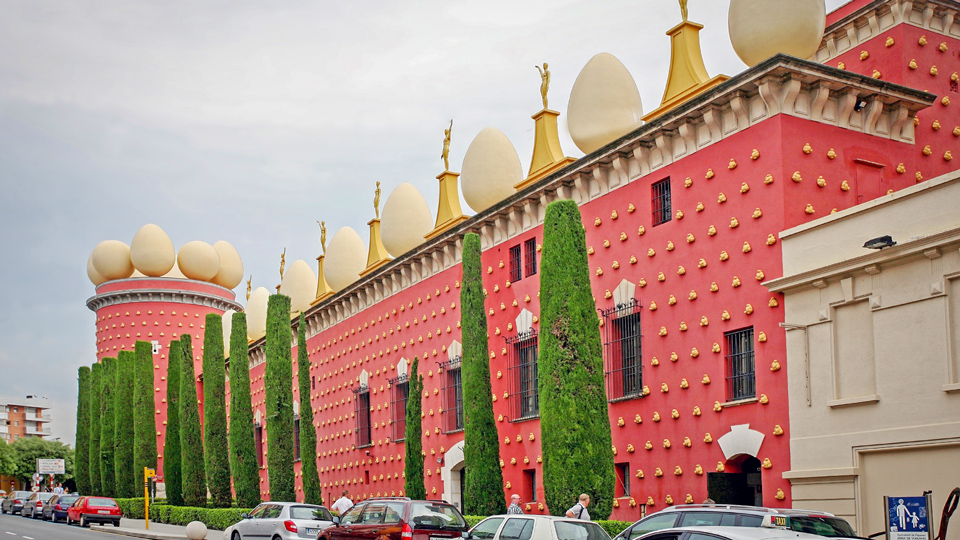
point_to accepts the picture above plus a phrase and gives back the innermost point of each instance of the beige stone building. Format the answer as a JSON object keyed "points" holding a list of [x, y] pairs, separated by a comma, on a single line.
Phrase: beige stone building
{"points": [[873, 353]]}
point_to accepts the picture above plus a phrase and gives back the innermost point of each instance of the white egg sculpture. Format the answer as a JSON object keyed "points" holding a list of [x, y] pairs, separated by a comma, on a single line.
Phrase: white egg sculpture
{"points": [[111, 259], [230, 273], [604, 103], [152, 252], [346, 257], [491, 167], [227, 323], [300, 284], [760, 29], [405, 220], [198, 260], [92, 273], [256, 311]]}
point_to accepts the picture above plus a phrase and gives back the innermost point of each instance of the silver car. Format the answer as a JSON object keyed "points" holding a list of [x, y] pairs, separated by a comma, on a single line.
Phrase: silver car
{"points": [[284, 520], [535, 527]]}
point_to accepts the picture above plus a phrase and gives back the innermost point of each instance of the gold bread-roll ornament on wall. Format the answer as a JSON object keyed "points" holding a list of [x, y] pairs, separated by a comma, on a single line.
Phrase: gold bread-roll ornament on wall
{"points": [[687, 443], [698, 470], [696, 410]]}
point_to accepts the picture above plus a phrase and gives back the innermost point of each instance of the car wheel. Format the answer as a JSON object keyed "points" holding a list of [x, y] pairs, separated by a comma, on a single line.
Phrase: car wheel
{"points": [[116, 523], [83, 522], [235, 536]]}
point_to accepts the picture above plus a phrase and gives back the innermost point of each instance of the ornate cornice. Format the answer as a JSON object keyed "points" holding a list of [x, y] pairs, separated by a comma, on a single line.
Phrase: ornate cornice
{"points": [[127, 296]]}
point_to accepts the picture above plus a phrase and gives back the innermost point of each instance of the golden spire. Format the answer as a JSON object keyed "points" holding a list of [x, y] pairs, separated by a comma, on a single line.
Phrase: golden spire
{"points": [[449, 213], [323, 288], [377, 255], [688, 74], [547, 155]]}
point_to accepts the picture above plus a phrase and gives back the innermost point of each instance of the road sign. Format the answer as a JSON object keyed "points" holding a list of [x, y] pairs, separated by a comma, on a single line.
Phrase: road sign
{"points": [[908, 518], [51, 466]]}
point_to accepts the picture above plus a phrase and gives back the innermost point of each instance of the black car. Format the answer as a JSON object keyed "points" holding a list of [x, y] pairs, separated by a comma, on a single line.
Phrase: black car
{"points": [[56, 507], [33, 506], [13, 502]]}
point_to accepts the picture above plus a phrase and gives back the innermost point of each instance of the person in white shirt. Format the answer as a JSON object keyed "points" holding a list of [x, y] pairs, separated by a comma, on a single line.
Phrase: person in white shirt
{"points": [[579, 510], [343, 504]]}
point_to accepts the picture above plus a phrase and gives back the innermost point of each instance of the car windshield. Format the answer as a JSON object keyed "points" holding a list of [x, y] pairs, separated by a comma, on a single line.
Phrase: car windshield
{"points": [[436, 516], [101, 501], [579, 530], [822, 526], [68, 499], [44, 496], [310, 512]]}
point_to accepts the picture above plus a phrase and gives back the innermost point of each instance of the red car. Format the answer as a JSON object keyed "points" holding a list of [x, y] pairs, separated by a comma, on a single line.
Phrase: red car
{"points": [[87, 510]]}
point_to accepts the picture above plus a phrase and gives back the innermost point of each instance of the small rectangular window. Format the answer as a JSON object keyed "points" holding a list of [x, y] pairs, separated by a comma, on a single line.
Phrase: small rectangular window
{"points": [[524, 395], [515, 264], [313, 382], [624, 362], [530, 257], [452, 396], [362, 398], [296, 438], [258, 440], [529, 485], [662, 210], [741, 372], [623, 480], [401, 391]]}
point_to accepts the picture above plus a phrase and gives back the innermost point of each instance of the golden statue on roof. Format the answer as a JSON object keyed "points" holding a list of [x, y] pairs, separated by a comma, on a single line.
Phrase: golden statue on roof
{"points": [[249, 286], [323, 236], [283, 262], [683, 9], [544, 82], [376, 201], [446, 146]]}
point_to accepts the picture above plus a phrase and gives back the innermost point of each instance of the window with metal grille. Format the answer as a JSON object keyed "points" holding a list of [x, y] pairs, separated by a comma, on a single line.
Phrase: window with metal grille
{"points": [[662, 211], [516, 264], [362, 398], [296, 438], [401, 391], [524, 397], [741, 372], [258, 440], [530, 257], [624, 363], [452, 396], [623, 480]]}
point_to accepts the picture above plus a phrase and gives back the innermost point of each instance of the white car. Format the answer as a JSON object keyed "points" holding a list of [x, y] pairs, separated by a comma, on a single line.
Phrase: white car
{"points": [[535, 527], [284, 520], [764, 532]]}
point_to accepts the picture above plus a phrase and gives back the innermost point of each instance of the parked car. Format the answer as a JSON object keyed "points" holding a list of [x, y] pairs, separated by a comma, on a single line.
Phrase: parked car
{"points": [[87, 510], [703, 515], [536, 527], [729, 533], [13, 502], [33, 506], [397, 518], [281, 520], [56, 507]]}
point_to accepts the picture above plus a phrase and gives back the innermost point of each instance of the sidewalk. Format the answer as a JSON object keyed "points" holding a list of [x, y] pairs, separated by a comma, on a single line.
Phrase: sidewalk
{"points": [[158, 531]]}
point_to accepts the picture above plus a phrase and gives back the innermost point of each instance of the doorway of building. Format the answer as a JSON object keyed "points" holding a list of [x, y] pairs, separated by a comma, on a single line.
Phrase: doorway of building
{"points": [[744, 487], [463, 487]]}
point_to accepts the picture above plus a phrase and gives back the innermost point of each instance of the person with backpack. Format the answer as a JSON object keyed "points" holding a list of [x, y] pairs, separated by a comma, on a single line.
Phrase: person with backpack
{"points": [[579, 510]]}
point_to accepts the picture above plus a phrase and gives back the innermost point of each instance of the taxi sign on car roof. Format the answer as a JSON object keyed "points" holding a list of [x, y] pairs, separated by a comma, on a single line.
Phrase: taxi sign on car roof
{"points": [[776, 521]]}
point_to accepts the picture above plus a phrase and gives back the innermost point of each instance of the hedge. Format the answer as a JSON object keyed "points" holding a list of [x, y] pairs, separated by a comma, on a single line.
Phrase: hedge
{"points": [[172, 476], [108, 426], [481, 449], [308, 433], [278, 376], [243, 452], [191, 444], [144, 417], [413, 484], [124, 471], [81, 471], [574, 415], [160, 512], [215, 413], [94, 450]]}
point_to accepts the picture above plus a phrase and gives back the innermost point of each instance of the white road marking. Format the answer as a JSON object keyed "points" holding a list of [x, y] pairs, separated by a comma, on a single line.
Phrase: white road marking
{"points": [[10, 533], [28, 538]]}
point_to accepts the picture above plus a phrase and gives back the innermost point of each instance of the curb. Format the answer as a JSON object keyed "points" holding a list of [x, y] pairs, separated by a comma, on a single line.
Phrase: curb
{"points": [[120, 531]]}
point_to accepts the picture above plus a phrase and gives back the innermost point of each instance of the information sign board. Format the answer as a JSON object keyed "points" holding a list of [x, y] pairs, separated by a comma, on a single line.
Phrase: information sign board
{"points": [[51, 466], [908, 518]]}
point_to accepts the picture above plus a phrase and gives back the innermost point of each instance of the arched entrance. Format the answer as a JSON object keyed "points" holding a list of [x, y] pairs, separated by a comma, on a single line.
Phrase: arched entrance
{"points": [[453, 473], [741, 481]]}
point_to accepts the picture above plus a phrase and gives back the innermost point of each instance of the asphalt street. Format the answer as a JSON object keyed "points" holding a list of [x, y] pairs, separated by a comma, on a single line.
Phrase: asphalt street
{"points": [[14, 527]]}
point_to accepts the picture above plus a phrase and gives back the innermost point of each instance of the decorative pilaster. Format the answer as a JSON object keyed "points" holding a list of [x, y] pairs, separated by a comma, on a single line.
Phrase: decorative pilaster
{"points": [[377, 255], [547, 155], [449, 213]]}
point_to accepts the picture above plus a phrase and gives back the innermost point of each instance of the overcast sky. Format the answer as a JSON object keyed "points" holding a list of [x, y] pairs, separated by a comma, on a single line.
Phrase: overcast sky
{"points": [[249, 121]]}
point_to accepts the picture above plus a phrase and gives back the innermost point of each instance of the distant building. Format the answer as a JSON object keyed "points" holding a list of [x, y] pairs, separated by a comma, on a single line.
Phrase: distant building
{"points": [[24, 417]]}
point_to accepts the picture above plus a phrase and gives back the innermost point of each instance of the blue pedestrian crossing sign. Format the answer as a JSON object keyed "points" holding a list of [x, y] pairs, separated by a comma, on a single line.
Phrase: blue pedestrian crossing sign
{"points": [[908, 518]]}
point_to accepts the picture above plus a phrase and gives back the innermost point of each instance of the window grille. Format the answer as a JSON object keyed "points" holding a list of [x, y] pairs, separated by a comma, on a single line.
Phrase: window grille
{"points": [[258, 431], [296, 438], [624, 364], [362, 399], [741, 372], [524, 396], [401, 391], [662, 211], [515, 264], [530, 257], [452, 395]]}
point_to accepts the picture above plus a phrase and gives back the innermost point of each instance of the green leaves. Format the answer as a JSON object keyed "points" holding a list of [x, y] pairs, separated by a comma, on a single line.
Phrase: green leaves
{"points": [[243, 454], [172, 474], [413, 485], [124, 472], [278, 376], [82, 475], [191, 444], [215, 413], [308, 433]]}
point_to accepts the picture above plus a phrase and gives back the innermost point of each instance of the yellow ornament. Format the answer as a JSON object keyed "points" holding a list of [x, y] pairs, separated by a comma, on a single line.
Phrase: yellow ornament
{"points": [[744, 187], [755, 155], [732, 165], [768, 179]]}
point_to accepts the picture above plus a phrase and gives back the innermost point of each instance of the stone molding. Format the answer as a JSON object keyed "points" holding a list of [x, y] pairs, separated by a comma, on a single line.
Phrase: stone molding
{"points": [[127, 296]]}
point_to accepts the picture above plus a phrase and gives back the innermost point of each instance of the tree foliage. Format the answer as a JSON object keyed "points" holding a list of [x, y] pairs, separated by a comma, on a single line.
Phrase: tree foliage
{"points": [[279, 399], [144, 417], [172, 476], [93, 453], [191, 442], [124, 471], [82, 472], [574, 420], [243, 450], [108, 427], [413, 484], [215, 413], [8, 463], [308, 433], [26, 451], [481, 446]]}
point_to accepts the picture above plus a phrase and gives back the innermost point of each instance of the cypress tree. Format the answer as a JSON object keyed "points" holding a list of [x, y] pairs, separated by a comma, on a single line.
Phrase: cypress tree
{"points": [[108, 426], [215, 413], [278, 376], [81, 468], [144, 417], [96, 485], [243, 452], [481, 449], [191, 443], [308, 433], [574, 418], [413, 453], [124, 472], [171, 445]]}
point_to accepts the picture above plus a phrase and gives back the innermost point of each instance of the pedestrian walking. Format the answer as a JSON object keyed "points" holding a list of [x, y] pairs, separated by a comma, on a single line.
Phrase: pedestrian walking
{"points": [[343, 503], [514, 507], [579, 510]]}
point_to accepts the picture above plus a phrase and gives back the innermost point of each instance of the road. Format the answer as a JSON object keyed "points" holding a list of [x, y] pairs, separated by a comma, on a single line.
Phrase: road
{"points": [[14, 527]]}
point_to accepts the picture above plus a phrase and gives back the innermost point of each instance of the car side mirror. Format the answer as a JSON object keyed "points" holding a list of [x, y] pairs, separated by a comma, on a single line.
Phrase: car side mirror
{"points": [[336, 521], [244, 516]]}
